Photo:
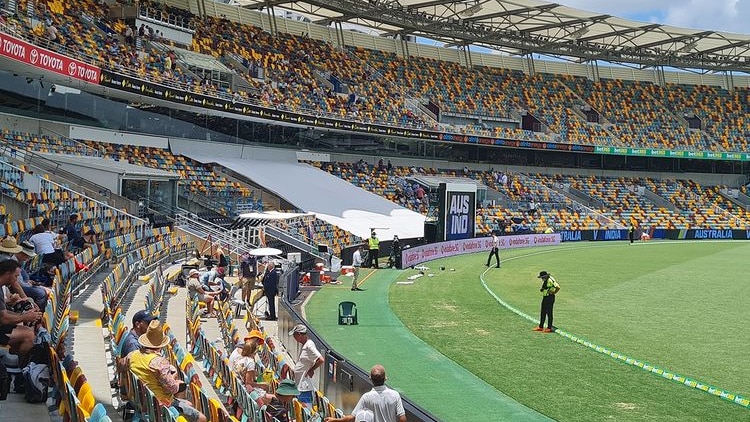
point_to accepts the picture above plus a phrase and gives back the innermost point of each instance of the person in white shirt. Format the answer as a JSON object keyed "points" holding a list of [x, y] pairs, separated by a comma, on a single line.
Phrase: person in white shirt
{"points": [[357, 262], [46, 244], [495, 251], [384, 404], [309, 360]]}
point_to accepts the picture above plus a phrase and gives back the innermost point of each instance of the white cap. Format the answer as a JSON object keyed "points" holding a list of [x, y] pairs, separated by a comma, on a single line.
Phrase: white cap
{"points": [[364, 416]]}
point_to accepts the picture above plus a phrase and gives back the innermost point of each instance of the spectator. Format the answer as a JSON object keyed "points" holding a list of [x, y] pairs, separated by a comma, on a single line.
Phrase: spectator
{"points": [[140, 321], [237, 352], [281, 402], [309, 360], [37, 293], [129, 35], [158, 375], [384, 403], [271, 289], [46, 244], [194, 286], [246, 367], [74, 233], [10, 250], [20, 338], [44, 276], [52, 32]]}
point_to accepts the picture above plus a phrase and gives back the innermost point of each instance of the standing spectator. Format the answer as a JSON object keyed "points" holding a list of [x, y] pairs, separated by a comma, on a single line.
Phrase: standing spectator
{"points": [[129, 36], [504, 180], [549, 289], [389, 167], [373, 249], [52, 32], [532, 207], [357, 264], [142, 30], [495, 251], [157, 374], [271, 289], [384, 404], [20, 338], [309, 360]]}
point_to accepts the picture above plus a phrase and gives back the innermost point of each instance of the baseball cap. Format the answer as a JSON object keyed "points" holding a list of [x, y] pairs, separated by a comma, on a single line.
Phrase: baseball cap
{"points": [[144, 316], [193, 272], [220, 271], [364, 416], [299, 328]]}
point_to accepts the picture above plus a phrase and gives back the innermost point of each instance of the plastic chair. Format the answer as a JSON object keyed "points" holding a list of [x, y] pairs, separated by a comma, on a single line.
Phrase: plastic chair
{"points": [[348, 313]]}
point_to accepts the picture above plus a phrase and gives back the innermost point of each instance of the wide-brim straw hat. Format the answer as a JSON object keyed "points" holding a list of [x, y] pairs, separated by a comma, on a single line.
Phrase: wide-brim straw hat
{"points": [[154, 337], [9, 245]]}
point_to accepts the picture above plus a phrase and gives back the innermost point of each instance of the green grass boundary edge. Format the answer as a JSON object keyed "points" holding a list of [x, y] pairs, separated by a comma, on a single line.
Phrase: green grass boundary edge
{"points": [[653, 369]]}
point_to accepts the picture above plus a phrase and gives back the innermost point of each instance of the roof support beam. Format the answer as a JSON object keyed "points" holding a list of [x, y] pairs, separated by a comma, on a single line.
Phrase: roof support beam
{"points": [[619, 32], [566, 23], [676, 39], [542, 8]]}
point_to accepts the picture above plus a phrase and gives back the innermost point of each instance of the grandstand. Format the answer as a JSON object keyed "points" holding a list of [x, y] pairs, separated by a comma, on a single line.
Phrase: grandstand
{"points": [[229, 125]]}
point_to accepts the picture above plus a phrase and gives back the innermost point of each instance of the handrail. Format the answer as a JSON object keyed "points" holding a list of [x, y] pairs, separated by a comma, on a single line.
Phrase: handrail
{"points": [[293, 241]]}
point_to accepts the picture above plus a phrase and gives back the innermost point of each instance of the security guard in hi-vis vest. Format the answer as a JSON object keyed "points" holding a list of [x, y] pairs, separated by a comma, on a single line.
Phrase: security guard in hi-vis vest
{"points": [[373, 247], [549, 289]]}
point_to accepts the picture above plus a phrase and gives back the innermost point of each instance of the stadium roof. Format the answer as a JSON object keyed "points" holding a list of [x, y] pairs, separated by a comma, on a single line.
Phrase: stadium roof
{"points": [[533, 27]]}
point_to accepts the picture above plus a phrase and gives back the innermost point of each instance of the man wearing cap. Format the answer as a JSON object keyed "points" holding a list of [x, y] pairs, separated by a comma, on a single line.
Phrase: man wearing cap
{"points": [[309, 360], [20, 338], [155, 372], [9, 249], [549, 289], [194, 286], [141, 320], [281, 402], [381, 404]]}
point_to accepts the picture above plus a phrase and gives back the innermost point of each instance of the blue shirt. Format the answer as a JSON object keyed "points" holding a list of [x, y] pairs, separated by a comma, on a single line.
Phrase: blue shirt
{"points": [[131, 344]]}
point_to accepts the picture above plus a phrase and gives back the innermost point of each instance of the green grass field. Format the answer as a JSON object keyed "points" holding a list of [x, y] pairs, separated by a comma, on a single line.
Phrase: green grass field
{"points": [[680, 306]]}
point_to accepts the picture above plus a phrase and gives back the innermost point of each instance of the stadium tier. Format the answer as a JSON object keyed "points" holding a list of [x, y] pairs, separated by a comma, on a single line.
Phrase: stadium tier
{"points": [[300, 73]]}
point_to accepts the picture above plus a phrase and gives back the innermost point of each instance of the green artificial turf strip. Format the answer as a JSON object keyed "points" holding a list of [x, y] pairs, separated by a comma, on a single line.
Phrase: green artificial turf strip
{"points": [[556, 376], [414, 368]]}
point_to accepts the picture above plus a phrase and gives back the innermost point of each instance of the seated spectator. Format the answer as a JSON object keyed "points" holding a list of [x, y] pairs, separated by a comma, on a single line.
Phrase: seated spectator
{"points": [[75, 237], [246, 366], [194, 286], [9, 250], [158, 375], [44, 276], [281, 402], [20, 338], [141, 321], [218, 285], [46, 244]]}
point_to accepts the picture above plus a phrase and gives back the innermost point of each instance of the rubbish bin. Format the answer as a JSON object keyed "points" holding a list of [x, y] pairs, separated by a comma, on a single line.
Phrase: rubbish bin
{"points": [[315, 278]]}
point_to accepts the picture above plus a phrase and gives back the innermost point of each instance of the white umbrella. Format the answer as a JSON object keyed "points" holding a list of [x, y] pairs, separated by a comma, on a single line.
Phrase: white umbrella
{"points": [[265, 252]]}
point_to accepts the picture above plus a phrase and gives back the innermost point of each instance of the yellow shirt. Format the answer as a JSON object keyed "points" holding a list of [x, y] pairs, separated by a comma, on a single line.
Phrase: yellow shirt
{"points": [[140, 364]]}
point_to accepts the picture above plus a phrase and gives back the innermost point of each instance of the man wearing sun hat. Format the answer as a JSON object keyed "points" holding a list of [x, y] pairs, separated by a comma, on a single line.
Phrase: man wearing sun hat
{"points": [[156, 373], [9, 249], [549, 289], [280, 404], [194, 285]]}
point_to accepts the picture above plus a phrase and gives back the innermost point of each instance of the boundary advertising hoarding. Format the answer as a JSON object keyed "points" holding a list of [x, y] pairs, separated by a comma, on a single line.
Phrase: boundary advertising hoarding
{"points": [[423, 253], [41, 58]]}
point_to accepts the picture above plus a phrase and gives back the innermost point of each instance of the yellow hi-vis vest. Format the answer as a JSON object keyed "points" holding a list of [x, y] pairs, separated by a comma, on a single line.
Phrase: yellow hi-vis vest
{"points": [[374, 243], [549, 286], [139, 365]]}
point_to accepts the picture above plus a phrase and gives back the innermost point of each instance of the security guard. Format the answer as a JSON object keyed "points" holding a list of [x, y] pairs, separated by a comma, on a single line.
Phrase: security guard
{"points": [[549, 289], [373, 247]]}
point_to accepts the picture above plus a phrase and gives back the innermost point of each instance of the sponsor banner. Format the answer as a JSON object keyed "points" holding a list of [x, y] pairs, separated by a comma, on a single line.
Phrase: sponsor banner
{"points": [[40, 58], [137, 86], [423, 253]]}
